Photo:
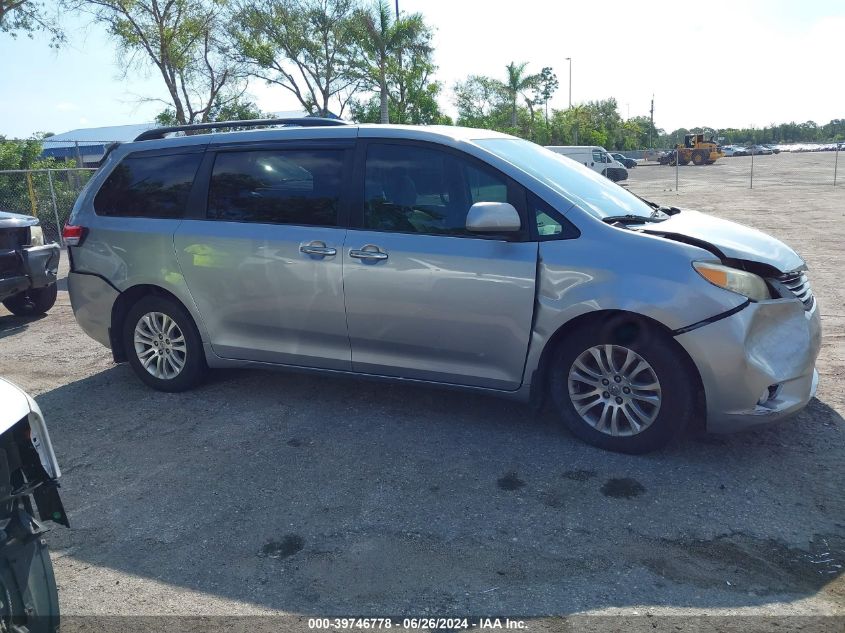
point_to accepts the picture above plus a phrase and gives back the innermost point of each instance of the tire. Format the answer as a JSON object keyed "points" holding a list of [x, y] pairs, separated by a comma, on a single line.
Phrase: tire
{"points": [[33, 301], [164, 354], [675, 393], [698, 158], [28, 594]]}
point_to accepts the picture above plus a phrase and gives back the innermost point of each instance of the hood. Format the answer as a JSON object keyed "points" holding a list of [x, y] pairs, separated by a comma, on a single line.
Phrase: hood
{"points": [[733, 240], [10, 220], [14, 404]]}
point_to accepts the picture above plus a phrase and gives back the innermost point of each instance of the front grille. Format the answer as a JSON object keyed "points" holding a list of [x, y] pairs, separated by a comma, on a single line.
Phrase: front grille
{"points": [[798, 284], [12, 239]]}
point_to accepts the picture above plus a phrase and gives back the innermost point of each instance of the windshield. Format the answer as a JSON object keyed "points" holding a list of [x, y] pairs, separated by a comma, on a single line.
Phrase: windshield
{"points": [[592, 192]]}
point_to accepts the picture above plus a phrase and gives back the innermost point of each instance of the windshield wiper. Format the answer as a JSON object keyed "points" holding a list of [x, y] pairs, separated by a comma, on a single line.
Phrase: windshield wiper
{"points": [[630, 218], [657, 207]]}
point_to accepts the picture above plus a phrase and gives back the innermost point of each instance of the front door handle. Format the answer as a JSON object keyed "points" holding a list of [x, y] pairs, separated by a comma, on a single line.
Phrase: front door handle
{"points": [[370, 252], [318, 249]]}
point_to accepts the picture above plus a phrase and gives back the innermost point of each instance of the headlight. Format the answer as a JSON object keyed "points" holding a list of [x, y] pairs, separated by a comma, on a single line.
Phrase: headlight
{"points": [[36, 236], [735, 280]]}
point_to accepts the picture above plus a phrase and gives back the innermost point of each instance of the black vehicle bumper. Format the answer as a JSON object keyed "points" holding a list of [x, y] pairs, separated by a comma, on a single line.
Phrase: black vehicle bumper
{"points": [[33, 267]]}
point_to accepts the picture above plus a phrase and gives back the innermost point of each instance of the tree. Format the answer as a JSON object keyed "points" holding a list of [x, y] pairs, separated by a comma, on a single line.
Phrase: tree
{"points": [[304, 46], [231, 111], [517, 84], [421, 109], [19, 154], [412, 93], [382, 39], [28, 16], [547, 84], [481, 102], [184, 40]]}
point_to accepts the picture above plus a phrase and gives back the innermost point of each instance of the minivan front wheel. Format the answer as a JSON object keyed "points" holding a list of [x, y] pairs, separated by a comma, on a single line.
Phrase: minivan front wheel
{"points": [[162, 345], [622, 386]]}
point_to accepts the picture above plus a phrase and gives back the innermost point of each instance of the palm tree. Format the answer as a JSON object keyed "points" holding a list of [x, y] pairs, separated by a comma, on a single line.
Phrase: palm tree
{"points": [[384, 37], [517, 84]]}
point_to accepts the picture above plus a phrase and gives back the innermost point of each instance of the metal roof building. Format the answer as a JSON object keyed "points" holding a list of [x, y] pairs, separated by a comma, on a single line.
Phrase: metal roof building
{"points": [[89, 144]]}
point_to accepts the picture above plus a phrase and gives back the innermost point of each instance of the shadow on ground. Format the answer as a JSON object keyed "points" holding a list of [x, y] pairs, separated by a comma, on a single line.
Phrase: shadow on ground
{"points": [[320, 495], [11, 325]]}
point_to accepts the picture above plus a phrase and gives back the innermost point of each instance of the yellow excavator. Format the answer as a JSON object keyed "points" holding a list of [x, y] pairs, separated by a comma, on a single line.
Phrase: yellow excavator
{"points": [[695, 150]]}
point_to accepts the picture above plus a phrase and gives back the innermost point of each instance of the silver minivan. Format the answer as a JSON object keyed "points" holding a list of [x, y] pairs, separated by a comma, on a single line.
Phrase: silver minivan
{"points": [[443, 256]]}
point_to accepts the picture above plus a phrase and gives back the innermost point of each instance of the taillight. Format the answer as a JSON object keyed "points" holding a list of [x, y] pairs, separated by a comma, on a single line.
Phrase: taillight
{"points": [[73, 235]]}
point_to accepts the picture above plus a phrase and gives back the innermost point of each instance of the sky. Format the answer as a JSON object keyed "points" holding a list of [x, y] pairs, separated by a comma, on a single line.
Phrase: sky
{"points": [[722, 64]]}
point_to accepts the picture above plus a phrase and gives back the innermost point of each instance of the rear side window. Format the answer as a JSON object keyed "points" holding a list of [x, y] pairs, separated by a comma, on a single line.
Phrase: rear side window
{"points": [[277, 187], [148, 186]]}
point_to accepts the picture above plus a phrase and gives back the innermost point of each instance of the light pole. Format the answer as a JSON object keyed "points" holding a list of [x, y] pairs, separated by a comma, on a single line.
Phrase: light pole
{"points": [[569, 59]]}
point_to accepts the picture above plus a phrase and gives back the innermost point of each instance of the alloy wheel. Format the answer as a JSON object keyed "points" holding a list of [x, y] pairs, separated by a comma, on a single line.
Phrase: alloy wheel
{"points": [[614, 390], [160, 345]]}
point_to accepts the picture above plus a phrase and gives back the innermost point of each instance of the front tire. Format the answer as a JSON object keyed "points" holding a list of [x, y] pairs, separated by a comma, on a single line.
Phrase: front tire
{"points": [[621, 384], [33, 301], [163, 345], [29, 600]]}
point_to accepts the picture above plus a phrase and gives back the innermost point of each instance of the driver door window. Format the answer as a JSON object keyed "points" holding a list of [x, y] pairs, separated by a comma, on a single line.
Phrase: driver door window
{"points": [[412, 189]]}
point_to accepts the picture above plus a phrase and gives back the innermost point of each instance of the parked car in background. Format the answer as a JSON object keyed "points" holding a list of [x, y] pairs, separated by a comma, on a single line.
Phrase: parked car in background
{"points": [[445, 256], [29, 476], [734, 150], [28, 266], [775, 149], [757, 150], [629, 163], [594, 157]]}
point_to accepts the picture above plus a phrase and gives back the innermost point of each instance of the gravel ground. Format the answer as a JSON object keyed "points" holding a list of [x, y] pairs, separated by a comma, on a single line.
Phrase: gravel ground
{"points": [[266, 493]]}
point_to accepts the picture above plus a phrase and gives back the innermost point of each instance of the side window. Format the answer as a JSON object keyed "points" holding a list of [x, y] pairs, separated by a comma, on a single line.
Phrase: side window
{"points": [[277, 186], [412, 189], [148, 186], [484, 186], [551, 225], [598, 157]]}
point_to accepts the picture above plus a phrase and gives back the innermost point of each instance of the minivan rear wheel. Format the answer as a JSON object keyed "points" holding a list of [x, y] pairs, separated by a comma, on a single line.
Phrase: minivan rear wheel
{"points": [[621, 385], [163, 345]]}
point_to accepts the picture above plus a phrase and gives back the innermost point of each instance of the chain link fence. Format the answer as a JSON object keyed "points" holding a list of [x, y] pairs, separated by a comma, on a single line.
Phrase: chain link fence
{"points": [[817, 170], [47, 194]]}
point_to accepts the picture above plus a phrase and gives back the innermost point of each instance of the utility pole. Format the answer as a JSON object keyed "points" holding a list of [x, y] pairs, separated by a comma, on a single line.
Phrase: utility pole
{"points": [[397, 9], [569, 59], [651, 127]]}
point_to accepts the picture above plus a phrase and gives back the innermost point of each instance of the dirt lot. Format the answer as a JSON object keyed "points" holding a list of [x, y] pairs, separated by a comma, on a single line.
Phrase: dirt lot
{"points": [[270, 492]]}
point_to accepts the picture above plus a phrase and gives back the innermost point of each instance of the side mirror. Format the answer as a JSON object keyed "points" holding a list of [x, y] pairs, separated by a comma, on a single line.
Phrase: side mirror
{"points": [[493, 217]]}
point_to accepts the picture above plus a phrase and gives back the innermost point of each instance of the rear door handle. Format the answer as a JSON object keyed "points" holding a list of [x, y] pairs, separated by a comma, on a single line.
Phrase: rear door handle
{"points": [[370, 252], [318, 249]]}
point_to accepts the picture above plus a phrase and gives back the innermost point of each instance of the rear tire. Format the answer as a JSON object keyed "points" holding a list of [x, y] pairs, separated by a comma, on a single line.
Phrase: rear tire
{"points": [[698, 158], [664, 379], [33, 301], [161, 332], [31, 605]]}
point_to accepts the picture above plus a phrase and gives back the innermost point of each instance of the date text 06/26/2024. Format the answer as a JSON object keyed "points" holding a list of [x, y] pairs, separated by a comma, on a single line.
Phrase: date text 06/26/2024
{"points": [[433, 624]]}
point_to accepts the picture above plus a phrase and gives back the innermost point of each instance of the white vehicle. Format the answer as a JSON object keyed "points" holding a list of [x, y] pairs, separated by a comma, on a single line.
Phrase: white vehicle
{"points": [[28, 489], [594, 157]]}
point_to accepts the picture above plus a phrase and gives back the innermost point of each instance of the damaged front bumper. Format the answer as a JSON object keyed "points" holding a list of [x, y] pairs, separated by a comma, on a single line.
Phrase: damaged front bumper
{"points": [[758, 364], [33, 267]]}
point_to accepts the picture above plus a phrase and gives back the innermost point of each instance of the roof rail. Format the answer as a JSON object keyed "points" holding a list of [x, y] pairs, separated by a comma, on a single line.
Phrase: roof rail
{"points": [[307, 121]]}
